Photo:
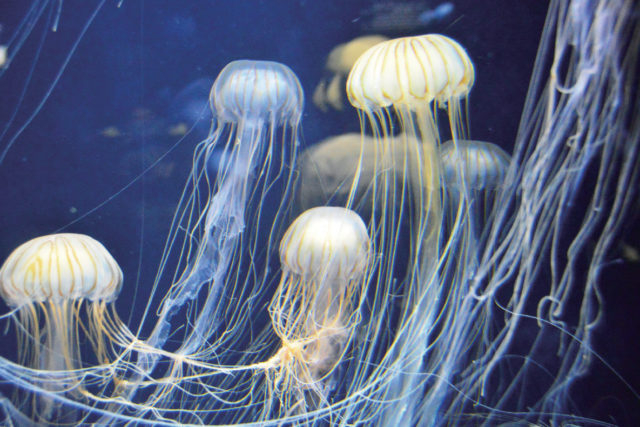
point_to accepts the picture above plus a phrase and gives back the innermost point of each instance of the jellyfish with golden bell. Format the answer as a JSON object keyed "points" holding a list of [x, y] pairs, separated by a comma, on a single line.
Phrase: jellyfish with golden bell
{"points": [[47, 281]]}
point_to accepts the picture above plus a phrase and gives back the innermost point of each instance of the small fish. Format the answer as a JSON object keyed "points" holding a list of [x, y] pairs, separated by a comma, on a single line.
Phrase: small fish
{"points": [[403, 17], [629, 253], [179, 129], [111, 132], [434, 15], [3, 55]]}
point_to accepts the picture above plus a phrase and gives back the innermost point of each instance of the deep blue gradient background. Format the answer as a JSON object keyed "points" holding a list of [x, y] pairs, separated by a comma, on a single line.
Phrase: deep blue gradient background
{"points": [[130, 72]]}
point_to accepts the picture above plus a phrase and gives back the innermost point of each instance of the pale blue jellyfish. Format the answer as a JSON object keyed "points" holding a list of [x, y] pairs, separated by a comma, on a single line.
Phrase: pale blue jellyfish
{"points": [[222, 235], [257, 107], [473, 172]]}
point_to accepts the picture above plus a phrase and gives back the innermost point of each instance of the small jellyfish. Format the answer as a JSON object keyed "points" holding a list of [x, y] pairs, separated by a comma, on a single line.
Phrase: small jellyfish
{"points": [[330, 91], [325, 256], [472, 173], [47, 281]]}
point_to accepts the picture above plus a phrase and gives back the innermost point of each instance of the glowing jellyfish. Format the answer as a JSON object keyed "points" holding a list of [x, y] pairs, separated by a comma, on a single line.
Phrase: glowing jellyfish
{"points": [[407, 78], [325, 255], [330, 92], [47, 280]]}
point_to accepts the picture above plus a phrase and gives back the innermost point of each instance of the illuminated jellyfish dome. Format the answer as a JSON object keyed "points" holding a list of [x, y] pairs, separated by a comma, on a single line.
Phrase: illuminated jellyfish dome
{"points": [[442, 234], [47, 280]]}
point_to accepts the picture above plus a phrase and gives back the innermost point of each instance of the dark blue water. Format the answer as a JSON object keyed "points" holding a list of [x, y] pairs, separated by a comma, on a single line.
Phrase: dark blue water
{"points": [[143, 69]]}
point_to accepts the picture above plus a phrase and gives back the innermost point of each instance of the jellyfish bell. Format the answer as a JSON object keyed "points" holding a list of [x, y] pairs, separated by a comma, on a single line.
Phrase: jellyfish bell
{"points": [[410, 72], [327, 169], [476, 165], [47, 280], [473, 172], [327, 246], [257, 91], [330, 91]]}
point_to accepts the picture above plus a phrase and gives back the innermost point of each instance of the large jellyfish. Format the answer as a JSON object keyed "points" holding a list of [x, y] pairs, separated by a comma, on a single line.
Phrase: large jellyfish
{"points": [[406, 78], [47, 280]]}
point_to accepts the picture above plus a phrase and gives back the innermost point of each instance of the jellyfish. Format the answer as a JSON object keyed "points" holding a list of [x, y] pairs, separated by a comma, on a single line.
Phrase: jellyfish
{"points": [[406, 78], [330, 92], [250, 100], [325, 255], [472, 174], [482, 290], [327, 169], [47, 281]]}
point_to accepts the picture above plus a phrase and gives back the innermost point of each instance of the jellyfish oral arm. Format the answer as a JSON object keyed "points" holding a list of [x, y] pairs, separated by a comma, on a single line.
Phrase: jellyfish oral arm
{"points": [[223, 224]]}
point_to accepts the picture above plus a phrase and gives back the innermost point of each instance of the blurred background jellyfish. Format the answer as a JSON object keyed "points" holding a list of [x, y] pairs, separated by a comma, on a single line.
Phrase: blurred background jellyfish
{"points": [[326, 172], [330, 91], [47, 280], [473, 171]]}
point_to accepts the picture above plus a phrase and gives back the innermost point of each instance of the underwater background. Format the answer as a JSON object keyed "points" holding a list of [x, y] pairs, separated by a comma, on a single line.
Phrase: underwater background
{"points": [[108, 150]]}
